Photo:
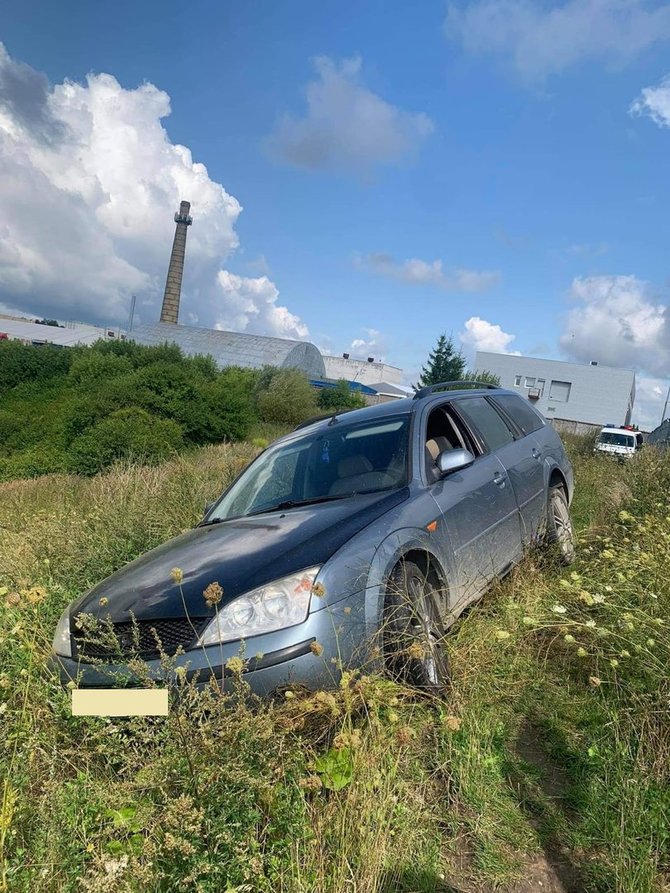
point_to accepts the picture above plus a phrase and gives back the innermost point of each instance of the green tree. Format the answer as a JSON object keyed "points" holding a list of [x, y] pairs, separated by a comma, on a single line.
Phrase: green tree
{"points": [[340, 398], [445, 363], [482, 375]]}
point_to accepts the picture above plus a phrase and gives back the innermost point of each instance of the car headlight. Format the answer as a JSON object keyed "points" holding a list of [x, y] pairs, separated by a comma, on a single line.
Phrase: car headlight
{"points": [[62, 644], [276, 605]]}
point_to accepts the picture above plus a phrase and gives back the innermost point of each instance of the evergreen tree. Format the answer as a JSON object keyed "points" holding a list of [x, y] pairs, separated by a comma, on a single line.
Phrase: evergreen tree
{"points": [[445, 363]]}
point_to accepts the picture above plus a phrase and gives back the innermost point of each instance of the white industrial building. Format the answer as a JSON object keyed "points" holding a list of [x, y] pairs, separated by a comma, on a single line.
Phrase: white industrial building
{"points": [[69, 334], [234, 348], [366, 371], [577, 397]]}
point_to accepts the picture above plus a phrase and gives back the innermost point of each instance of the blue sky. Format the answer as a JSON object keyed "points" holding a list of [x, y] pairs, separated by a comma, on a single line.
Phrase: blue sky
{"points": [[461, 167]]}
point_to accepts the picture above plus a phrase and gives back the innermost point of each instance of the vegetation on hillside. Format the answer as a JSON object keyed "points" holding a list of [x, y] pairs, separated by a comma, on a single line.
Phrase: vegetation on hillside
{"points": [[549, 760], [80, 409]]}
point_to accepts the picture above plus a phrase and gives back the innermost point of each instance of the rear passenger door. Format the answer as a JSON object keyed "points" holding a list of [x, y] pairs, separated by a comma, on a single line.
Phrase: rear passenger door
{"points": [[524, 460]]}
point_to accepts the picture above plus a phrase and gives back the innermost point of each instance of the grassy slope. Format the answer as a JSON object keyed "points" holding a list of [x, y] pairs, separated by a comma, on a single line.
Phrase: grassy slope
{"points": [[545, 762]]}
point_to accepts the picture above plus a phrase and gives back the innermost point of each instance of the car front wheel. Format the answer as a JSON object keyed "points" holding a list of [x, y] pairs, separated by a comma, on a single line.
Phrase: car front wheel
{"points": [[413, 634], [560, 533]]}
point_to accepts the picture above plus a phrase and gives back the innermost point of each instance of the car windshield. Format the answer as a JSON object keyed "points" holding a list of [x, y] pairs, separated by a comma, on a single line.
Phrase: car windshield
{"points": [[334, 462], [615, 439]]}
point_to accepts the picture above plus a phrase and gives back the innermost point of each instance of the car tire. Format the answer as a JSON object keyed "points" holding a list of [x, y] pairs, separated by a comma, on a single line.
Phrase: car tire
{"points": [[413, 633], [559, 532]]}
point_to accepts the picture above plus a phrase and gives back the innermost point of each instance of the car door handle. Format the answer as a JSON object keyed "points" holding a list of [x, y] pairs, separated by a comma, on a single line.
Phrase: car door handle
{"points": [[499, 478], [535, 453]]}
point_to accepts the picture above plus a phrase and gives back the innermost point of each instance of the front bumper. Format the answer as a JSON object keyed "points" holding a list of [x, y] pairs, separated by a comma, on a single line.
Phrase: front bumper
{"points": [[312, 654]]}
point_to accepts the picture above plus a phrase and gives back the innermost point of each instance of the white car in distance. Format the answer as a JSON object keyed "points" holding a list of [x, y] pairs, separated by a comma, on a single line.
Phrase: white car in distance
{"points": [[621, 442]]}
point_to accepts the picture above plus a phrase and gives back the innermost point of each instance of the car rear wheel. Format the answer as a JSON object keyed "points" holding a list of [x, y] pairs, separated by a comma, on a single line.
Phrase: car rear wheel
{"points": [[413, 634], [560, 534]]}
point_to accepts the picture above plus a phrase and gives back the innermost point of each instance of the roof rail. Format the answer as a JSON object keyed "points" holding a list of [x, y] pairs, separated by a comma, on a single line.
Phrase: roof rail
{"points": [[449, 385]]}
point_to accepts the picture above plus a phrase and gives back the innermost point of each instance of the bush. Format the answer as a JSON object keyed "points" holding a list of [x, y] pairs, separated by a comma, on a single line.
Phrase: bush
{"points": [[25, 362], [9, 425], [290, 399], [340, 398], [92, 368], [126, 433], [32, 462]]}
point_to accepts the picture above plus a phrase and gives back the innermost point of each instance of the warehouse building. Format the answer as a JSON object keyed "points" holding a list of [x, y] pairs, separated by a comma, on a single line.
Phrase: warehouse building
{"points": [[367, 371], [69, 334], [575, 397], [235, 348]]}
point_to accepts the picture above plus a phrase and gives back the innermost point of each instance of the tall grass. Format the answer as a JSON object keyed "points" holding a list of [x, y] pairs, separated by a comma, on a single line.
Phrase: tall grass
{"points": [[543, 762]]}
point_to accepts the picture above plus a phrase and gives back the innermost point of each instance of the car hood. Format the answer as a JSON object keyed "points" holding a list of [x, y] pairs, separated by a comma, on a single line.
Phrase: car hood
{"points": [[239, 554]]}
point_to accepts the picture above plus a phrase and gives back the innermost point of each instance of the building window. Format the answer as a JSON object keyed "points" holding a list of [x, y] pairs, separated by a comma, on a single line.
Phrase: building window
{"points": [[560, 391], [517, 381], [540, 385], [530, 382]]}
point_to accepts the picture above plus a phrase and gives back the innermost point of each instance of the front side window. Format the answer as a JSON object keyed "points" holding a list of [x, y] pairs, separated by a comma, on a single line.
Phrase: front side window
{"points": [[443, 432], [484, 418], [520, 412], [333, 462]]}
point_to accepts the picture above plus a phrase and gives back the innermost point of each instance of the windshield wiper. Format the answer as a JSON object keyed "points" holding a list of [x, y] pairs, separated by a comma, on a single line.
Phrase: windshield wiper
{"points": [[295, 503], [212, 521]]}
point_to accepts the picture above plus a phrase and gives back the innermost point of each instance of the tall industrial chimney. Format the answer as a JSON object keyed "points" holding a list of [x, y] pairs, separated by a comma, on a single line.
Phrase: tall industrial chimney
{"points": [[170, 309]]}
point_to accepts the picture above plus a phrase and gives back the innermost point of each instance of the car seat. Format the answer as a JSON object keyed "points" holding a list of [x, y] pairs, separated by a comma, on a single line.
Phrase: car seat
{"points": [[356, 473]]}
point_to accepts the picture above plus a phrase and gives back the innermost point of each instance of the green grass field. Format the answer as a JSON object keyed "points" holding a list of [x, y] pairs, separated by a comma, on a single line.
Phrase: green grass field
{"points": [[546, 769]]}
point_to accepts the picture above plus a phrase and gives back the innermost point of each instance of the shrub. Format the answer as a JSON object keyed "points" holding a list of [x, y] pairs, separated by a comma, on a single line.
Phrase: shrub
{"points": [[9, 425], [126, 433], [290, 398], [25, 362], [93, 367], [340, 397], [32, 462]]}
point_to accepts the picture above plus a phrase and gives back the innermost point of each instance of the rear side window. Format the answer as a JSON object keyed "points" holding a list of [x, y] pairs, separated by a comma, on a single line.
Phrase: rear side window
{"points": [[523, 415], [486, 420]]}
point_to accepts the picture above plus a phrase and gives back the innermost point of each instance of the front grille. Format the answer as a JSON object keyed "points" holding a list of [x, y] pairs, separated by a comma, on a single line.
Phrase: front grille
{"points": [[139, 639]]}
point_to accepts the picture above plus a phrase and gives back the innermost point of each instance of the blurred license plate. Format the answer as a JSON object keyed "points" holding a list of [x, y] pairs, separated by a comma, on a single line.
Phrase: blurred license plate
{"points": [[120, 702]]}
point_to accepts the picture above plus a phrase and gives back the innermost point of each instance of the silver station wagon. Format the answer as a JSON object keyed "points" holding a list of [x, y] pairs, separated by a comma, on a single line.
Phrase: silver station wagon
{"points": [[354, 541]]}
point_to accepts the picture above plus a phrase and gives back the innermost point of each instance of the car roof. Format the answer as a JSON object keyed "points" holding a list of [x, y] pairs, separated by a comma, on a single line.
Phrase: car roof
{"points": [[404, 406]]}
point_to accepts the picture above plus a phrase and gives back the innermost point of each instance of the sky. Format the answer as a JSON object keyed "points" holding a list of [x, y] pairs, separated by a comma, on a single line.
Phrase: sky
{"points": [[363, 175]]}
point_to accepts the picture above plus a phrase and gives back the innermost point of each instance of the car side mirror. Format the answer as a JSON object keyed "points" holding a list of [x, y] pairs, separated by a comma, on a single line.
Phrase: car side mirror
{"points": [[454, 460]]}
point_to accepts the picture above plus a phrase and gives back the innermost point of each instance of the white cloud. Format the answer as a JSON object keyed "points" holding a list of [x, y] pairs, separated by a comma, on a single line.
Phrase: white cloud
{"points": [[346, 126], [618, 323], [654, 102], [89, 183], [250, 305], [542, 40], [420, 272], [480, 334], [374, 345]]}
